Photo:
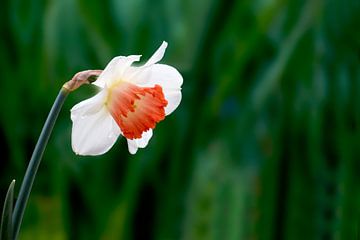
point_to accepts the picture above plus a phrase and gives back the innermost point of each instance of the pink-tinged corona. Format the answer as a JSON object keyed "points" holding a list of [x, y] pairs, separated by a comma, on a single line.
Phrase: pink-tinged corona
{"points": [[136, 109], [132, 100]]}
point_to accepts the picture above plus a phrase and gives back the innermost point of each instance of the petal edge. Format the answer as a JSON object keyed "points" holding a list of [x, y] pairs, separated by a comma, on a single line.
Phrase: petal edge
{"points": [[158, 55]]}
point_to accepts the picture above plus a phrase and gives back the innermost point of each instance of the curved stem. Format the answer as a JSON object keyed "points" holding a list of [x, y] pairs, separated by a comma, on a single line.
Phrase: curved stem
{"points": [[35, 161]]}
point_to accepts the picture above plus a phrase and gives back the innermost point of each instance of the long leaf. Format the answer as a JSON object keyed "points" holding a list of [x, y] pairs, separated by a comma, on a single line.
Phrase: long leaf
{"points": [[6, 219]]}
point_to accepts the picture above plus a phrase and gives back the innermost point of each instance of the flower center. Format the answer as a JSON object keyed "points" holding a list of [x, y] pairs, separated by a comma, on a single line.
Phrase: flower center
{"points": [[136, 109]]}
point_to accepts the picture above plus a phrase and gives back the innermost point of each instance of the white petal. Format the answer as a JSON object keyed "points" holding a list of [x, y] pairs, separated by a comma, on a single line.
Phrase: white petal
{"points": [[174, 98], [93, 104], [115, 69], [158, 55], [142, 142], [94, 130], [164, 75]]}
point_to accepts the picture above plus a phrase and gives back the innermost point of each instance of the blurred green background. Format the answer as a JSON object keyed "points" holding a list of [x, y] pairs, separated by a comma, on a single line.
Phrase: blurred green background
{"points": [[265, 144]]}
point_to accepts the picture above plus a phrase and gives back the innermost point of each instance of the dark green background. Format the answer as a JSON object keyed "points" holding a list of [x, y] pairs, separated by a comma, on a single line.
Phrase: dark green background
{"points": [[265, 144]]}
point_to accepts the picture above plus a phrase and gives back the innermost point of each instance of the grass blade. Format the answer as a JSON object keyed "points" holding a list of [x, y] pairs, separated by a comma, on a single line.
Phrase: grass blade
{"points": [[6, 219]]}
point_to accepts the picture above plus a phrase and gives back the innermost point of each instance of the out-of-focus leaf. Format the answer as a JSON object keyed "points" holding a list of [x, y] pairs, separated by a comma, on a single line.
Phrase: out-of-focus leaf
{"points": [[46, 217]]}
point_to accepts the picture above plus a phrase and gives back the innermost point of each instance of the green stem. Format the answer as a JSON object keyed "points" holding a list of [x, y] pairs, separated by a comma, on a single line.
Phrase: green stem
{"points": [[35, 161]]}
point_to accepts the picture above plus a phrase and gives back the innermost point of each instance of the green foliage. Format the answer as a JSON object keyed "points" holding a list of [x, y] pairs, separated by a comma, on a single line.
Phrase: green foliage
{"points": [[6, 226], [264, 145]]}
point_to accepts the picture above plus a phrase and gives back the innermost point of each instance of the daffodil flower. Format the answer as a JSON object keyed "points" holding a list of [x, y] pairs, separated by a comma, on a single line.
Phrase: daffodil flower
{"points": [[132, 100]]}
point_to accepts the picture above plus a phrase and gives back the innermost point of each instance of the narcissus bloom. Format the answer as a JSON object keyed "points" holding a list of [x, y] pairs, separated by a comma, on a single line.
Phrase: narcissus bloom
{"points": [[132, 100]]}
